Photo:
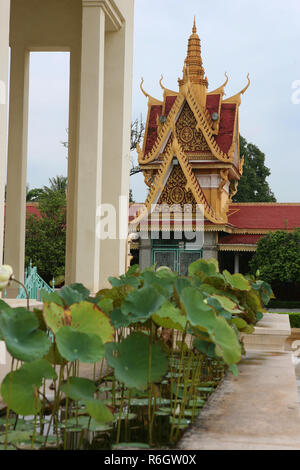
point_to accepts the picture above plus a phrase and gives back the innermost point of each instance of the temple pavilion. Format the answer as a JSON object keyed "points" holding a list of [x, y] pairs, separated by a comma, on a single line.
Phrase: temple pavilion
{"points": [[190, 158]]}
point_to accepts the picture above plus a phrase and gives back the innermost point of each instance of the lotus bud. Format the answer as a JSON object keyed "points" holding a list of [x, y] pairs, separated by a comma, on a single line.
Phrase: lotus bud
{"points": [[6, 273]]}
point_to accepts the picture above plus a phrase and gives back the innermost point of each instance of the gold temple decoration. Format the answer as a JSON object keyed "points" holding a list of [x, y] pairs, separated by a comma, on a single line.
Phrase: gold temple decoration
{"points": [[236, 99], [198, 128], [221, 89]]}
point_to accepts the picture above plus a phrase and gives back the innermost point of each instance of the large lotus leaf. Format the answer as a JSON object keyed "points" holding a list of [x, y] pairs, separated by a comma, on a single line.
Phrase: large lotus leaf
{"points": [[162, 283], [4, 307], [242, 325], [24, 340], [133, 281], [227, 304], [169, 316], [71, 295], [204, 347], [88, 318], [204, 267], [99, 411], [49, 297], [131, 362], [117, 294], [54, 357], [142, 303], [237, 281], [106, 305], [78, 388], [264, 289], [19, 388], [199, 313], [221, 333], [181, 284], [74, 345], [119, 320], [227, 344], [56, 316], [84, 317]]}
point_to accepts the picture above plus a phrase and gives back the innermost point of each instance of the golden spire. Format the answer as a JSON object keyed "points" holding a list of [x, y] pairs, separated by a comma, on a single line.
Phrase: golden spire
{"points": [[193, 70]]}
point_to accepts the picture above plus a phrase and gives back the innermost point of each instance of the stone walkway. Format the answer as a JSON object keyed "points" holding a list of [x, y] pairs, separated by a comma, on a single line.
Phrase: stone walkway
{"points": [[258, 410]]}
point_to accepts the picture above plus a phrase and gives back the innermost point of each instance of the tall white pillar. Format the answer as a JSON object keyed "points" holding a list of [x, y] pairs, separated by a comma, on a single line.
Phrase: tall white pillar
{"points": [[236, 263], [15, 219], [89, 165], [116, 143], [4, 56], [74, 104]]}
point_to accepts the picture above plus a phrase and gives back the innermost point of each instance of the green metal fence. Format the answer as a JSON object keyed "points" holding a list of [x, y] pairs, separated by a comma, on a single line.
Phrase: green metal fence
{"points": [[34, 284]]}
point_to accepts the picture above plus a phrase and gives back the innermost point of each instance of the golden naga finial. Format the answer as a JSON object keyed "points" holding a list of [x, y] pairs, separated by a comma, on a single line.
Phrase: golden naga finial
{"points": [[247, 86], [150, 98], [220, 89], [142, 89], [226, 81], [161, 83], [237, 98], [166, 90]]}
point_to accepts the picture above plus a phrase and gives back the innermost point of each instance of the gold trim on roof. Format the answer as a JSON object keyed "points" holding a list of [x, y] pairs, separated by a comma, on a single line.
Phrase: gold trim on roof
{"points": [[205, 125], [242, 248], [162, 137]]}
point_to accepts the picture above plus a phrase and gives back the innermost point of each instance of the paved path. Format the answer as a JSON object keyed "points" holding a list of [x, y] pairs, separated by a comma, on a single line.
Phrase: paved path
{"points": [[257, 410]]}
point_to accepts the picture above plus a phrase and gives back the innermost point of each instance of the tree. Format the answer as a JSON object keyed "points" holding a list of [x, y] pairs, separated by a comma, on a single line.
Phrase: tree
{"points": [[46, 236], [137, 134], [59, 183], [277, 259], [253, 186], [33, 195]]}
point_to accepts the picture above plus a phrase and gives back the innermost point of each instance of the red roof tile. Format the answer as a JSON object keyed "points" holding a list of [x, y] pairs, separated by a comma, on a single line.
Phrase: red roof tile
{"points": [[32, 208], [264, 216], [213, 103], [226, 128], [170, 100], [155, 112], [239, 239]]}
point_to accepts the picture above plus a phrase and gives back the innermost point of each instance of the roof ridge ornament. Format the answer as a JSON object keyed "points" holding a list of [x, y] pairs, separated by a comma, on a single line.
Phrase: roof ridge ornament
{"points": [[236, 99], [194, 27], [220, 90], [150, 98]]}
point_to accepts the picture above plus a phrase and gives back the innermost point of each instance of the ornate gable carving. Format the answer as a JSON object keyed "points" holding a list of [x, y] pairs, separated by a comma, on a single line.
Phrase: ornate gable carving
{"points": [[174, 191], [190, 139]]}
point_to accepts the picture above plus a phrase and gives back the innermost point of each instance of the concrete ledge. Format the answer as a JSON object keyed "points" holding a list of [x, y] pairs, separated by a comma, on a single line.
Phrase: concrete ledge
{"points": [[258, 410], [270, 334]]}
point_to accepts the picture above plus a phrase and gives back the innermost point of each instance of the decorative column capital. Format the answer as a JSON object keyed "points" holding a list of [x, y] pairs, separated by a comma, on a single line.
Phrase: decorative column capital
{"points": [[112, 12]]}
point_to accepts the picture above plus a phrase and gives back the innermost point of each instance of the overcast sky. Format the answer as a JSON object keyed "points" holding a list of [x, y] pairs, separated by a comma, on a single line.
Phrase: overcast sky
{"points": [[261, 37]]}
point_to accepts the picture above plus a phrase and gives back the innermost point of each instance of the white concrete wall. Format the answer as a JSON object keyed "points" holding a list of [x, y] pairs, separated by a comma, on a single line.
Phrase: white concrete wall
{"points": [[4, 58], [99, 36]]}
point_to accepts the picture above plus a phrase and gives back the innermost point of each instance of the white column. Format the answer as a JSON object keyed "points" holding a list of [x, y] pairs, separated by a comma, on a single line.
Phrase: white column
{"points": [[17, 161], [74, 103], [89, 165], [236, 263], [4, 53], [116, 143]]}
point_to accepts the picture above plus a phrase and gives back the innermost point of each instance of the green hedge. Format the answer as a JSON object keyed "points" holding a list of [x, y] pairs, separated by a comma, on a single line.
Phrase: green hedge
{"points": [[294, 320], [289, 304]]}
